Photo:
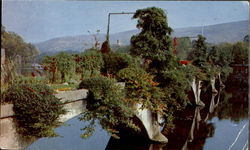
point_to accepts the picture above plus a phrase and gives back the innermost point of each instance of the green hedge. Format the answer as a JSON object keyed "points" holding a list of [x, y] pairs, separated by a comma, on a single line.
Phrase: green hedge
{"points": [[36, 109]]}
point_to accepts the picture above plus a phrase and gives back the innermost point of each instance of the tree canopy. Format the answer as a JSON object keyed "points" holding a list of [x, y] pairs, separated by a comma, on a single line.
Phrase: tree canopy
{"points": [[199, 51], [153, 42], [15, 45]]}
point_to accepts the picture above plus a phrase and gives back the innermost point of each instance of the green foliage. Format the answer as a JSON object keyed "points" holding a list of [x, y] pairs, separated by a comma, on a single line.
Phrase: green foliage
{"points": [[106, 103], [113, 62], [121, 49], [175, 86], [153, 42], [15, 45], [62, 63], [184, 46], [62, 87], [199, 51], [154, 45], [241, 52], [91, 61], [65, 65], [220, 57], [36, 109], [233, 106], [141, 88], [50, 65], [191, 71], [29, 80], [8, 73], [204, 61]]}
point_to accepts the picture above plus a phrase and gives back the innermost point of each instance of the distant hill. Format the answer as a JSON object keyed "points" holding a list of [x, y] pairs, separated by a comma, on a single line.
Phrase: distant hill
{"points": [[226, 32]]}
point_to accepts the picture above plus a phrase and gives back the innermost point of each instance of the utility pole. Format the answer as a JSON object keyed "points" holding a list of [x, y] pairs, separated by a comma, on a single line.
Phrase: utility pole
{"points": [[202, 29], [122, 13]]}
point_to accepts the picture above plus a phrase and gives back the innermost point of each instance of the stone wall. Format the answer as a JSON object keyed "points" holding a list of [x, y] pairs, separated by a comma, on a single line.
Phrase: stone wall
{"points": [[73, 103], [9, 139]]}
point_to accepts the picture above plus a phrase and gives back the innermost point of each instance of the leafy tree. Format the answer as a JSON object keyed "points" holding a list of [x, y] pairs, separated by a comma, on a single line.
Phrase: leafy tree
{"points": [[153, 44], [206, 62], [50, 65], [213, 55], [62, 63], [221, 56], [65, 65], [15, 45], [199, 51], [240, 52], [184, 46], [114, 62], [92, 61]]}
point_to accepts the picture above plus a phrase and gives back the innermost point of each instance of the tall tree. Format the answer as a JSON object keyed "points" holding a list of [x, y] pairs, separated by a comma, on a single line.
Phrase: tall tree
{"points": [[240, 52], [65, 65], [154, 45], [199, 51], [153, 42]]}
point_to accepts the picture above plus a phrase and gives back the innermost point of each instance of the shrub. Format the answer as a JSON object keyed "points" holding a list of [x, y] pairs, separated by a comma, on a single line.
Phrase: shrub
{"points": [[60, 66], [106, 102], [30, 80], [65, 65], [141, 88], [91, 61], [36, 109], [113, 62]]}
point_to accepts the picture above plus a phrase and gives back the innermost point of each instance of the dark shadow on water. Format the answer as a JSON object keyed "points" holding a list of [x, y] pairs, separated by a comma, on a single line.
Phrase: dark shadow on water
{"points": [[130, 143], [193, 124]]}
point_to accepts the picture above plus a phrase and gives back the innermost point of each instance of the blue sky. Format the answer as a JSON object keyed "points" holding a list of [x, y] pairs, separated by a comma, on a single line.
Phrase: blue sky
{"points": [[37, 21]]}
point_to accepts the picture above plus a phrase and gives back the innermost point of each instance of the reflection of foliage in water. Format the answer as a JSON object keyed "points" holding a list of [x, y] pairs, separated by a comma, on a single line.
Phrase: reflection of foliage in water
{"points": [[205, 130], [233, 106], [190, 132]]}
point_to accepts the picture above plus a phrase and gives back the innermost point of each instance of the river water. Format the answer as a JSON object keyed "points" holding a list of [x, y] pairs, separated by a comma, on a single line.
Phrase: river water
{"points": [[222, 125]]}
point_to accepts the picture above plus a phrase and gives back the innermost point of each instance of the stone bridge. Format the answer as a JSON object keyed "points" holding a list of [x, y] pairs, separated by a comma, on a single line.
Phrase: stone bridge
{"points": [[74, 104]]}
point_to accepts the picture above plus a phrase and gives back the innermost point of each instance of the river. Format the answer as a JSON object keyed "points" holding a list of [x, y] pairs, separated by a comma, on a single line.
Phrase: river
{"points": [[222, 125]]}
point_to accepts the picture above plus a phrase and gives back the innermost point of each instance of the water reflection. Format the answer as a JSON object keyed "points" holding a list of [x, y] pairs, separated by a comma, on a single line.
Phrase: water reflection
{"points": [[195, 127], [217, 126]]}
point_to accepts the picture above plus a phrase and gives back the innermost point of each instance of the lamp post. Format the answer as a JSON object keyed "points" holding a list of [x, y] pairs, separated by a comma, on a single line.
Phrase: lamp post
{"points": [[122, 13]]}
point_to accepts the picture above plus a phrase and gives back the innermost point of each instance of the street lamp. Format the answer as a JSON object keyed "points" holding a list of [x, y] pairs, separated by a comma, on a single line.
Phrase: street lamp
{"points": [[122, 13]]}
